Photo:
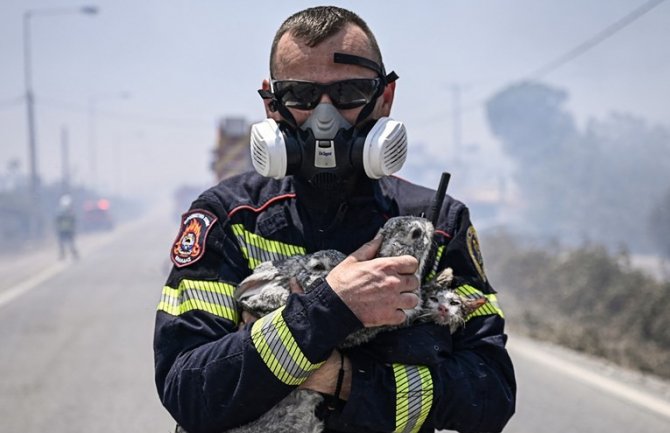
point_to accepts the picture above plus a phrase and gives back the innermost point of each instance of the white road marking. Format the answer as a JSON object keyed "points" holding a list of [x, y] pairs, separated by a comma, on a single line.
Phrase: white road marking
{"points": [[12, 293], [611, 386], [96, 244]]}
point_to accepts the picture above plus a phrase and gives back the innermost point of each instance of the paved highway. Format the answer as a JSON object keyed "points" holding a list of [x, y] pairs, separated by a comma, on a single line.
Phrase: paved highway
{"points": [[76, 350]]}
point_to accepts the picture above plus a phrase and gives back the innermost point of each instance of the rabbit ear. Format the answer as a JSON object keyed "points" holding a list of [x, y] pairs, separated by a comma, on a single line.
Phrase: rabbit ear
{"points": [[264, 273]]}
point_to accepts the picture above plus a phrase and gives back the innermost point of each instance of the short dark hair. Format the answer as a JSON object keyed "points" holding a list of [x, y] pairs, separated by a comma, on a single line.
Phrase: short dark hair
{"points": [[316, 24]]}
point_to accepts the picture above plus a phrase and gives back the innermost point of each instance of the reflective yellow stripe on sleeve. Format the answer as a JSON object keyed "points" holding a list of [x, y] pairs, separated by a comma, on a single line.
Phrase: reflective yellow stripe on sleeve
{"points": [[414, 397], [279, 350], [211, 296], [257, 249], [490, 308]]}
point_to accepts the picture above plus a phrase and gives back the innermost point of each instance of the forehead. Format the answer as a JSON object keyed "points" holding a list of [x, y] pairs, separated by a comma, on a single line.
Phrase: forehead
{"points": [[295, 60]]}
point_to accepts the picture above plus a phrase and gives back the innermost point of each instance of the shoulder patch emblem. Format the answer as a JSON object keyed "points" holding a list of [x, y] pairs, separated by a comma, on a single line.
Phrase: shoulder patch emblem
{"points": [[475, 252], [189, 246]]}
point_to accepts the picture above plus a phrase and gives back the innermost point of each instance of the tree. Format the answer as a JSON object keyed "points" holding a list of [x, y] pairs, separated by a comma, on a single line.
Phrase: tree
{"points": [[529, 119], [599, 184], [540, 136]]}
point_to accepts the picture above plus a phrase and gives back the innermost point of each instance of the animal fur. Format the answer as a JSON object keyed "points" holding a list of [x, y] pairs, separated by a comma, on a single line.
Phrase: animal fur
{"points": [[401, 236], [269, 287], [442, 305]]}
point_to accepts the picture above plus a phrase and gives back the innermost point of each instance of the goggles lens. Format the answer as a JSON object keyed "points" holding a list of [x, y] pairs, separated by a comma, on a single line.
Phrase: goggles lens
{"points": [[345, 94]]}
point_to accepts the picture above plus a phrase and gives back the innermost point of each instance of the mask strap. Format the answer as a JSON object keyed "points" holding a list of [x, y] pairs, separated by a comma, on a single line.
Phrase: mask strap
{"points": [[351, 59], [276, 106], [347, 59]]}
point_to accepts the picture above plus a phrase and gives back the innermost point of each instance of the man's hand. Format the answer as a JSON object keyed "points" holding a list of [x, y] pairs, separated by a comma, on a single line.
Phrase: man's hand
{"points": [[324, 380], [376, 289]]}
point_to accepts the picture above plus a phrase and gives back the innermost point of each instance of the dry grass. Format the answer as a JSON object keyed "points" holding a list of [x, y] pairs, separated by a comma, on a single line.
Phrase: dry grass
{"points": [[584, 298]]}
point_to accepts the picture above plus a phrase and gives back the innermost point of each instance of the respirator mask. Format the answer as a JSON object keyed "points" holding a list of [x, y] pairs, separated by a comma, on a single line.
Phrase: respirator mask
{"points": [[326, 150]]}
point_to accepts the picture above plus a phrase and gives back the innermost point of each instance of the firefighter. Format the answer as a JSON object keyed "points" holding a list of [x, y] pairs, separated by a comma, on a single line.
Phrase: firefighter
{"points": [[66, 223], [324, 160]]}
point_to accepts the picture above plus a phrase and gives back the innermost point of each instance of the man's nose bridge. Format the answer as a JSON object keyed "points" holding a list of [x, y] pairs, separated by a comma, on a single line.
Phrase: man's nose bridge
{"points": [[325, 97]]}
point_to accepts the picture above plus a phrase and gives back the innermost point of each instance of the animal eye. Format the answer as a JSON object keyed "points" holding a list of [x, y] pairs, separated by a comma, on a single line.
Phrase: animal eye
{"points": [[454, 302], [416, 233], [319, 267], [433, 299]]}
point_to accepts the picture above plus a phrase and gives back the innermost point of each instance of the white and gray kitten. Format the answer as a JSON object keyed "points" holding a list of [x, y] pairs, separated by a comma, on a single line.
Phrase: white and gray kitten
{"points": [[443, 306]]}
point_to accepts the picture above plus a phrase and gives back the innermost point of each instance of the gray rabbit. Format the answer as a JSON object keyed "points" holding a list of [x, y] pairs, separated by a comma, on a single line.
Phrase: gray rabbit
{"points": [[269, 286], [402, 235]]}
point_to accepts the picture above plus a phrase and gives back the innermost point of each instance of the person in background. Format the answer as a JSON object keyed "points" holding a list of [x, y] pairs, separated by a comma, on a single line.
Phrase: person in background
{"points": [[66, 224], [324, 160]]}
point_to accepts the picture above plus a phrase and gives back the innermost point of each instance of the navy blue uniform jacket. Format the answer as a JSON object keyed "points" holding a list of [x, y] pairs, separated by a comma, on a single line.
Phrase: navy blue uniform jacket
{"points": [[212, 376]]}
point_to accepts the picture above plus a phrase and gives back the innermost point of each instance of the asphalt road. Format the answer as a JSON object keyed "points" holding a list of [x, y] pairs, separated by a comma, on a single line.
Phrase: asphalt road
{"points": [[76, 337], [76, 354]]}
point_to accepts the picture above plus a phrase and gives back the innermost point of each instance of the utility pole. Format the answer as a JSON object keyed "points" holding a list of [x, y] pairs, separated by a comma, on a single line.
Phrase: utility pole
{"points": [[34, 222], [35, 216]]}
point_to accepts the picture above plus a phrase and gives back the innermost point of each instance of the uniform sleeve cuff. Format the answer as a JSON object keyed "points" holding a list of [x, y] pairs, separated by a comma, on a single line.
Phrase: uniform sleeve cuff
{"points": [[319, 319]]}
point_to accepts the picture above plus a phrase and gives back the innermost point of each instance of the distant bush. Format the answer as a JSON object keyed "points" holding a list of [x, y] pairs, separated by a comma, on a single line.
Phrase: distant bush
{"points": [[585, 298]]}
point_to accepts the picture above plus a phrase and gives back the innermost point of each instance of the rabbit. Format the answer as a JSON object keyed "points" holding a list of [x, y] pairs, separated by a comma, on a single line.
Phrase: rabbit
{"points": [[402, 235], [296, 412], [269, 286]]}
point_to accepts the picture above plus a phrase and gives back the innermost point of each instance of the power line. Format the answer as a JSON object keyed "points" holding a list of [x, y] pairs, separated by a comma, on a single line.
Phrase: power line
{"points": [[595, 40], [577, 51]]}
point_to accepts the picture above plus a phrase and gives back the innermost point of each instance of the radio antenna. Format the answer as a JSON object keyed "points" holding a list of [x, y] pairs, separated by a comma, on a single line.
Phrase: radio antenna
{"points": [[436, 205], [433, 215]]}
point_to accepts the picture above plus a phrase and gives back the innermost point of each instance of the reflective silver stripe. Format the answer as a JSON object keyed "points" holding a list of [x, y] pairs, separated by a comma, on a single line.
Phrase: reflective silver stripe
{"points": [[211, 296], [279, 350], [414, 397], [257, 249], [490, 308]]}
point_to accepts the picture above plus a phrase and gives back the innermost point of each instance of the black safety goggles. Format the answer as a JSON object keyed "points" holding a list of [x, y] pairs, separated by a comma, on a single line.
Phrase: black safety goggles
{"points": [[345, 94]]}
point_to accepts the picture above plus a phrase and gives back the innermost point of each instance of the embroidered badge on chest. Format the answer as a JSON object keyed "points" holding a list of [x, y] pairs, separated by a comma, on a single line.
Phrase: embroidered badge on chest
{"points": [[189, 246], [475, 252]]}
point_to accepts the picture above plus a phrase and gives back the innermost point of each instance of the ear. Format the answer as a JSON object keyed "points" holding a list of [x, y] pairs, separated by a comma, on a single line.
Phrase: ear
{"points": [[445, 277], [271, 114], [263, 275], [470, 305], [387, 99]]}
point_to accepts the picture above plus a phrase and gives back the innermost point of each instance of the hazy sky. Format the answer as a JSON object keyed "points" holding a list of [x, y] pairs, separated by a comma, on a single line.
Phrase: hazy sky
{"points": [[187, 63]]}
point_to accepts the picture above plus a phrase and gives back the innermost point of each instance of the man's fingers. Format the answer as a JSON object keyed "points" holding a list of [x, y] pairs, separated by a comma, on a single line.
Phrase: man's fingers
{"points": [[399, 317], [294, 285], [408, 300], [367, 251], [405, 264], [406, 283]]}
